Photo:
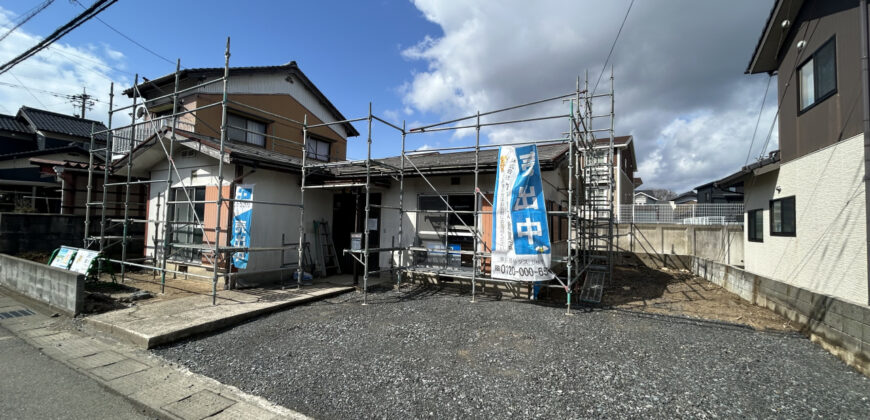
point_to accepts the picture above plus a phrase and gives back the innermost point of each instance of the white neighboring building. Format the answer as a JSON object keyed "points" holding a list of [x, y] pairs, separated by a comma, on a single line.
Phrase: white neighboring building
{"points": [[806, 218], [642, 197]]}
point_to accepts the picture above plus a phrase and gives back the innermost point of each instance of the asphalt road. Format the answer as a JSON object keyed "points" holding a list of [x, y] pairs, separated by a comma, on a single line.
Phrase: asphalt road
{"points": [[421, 353], [34, 386]]}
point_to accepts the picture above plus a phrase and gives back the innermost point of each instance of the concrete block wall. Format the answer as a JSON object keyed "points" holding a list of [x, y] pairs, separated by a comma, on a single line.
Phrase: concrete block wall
{"points": [[59, 289], [716, 243], [841, 327]]}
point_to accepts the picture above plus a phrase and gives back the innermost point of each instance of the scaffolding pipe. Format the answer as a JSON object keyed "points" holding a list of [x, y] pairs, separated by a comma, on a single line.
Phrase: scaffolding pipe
{"points": [[401, 207], [127, 188], [168, 192], [220, 183], [462, 127], [90, 182], [426, 127], [368, 207], [300, 268], [476, 207]]}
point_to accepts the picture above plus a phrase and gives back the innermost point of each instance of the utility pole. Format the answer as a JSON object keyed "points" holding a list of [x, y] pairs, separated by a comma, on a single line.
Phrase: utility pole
{"points": [[84, 101]]}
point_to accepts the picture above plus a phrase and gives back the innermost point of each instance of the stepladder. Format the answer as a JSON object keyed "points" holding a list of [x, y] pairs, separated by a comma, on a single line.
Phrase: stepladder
{"points": [[327, 258]]}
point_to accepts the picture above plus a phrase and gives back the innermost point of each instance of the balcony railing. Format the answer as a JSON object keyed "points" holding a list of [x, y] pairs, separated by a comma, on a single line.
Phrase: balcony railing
{"points": [[144, 130], [682, 214]]}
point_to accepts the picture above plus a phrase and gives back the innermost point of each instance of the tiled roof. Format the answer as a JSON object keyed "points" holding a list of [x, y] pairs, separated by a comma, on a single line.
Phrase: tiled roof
{"points": [[10, 123], [548, 155], [62, 124]]}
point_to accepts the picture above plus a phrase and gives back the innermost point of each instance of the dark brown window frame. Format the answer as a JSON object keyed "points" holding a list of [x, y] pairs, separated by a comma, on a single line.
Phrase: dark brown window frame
{"points": [[750, 225], [772, 224], [818, 99]]}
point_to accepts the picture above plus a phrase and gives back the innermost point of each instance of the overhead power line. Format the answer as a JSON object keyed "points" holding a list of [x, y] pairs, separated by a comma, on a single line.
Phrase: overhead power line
{"points": [[85, 16], [29, 15], [612, 46], [130, 39]]}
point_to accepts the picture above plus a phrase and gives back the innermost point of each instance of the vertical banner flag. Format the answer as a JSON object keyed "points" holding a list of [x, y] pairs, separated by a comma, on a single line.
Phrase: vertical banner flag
{"points": [[242, 223], [520, 237]]}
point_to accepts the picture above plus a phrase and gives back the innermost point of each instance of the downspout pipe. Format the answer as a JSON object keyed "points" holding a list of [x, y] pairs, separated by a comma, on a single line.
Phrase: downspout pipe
{"points": [[865, 87]]}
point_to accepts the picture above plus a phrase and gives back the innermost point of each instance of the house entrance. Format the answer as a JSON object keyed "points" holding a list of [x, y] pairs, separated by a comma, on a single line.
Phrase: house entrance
{"points": [[348, 215]]}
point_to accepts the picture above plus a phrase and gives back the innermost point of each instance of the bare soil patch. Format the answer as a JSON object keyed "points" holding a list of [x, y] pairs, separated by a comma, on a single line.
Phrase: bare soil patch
{"points": [[680, 293]]}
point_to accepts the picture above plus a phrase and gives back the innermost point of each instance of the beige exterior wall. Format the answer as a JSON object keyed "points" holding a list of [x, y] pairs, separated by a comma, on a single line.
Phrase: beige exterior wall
{"points": [[828, 254], [209, 121], [268, 222]]}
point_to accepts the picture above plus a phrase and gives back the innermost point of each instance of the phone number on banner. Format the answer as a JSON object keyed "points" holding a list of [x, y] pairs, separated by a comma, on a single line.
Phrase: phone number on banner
{"points": [[514, 271]]}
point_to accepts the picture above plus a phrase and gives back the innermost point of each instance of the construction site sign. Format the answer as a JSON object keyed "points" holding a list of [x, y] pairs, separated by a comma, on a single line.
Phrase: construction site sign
{"points": [[242, 207], [521, 239]]}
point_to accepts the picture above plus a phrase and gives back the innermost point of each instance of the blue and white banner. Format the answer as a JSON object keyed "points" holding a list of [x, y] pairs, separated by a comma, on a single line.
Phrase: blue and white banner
{"points": [[242, 223], [520, 237]]}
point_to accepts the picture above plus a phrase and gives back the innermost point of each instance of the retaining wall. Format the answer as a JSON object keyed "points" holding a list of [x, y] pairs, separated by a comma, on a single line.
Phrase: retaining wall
{"points": [[59, 289], [841, 327], [722, 243]]}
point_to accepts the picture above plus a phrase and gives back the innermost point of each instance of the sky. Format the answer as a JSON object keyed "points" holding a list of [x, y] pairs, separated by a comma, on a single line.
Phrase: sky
{"points": [[680, 87]]}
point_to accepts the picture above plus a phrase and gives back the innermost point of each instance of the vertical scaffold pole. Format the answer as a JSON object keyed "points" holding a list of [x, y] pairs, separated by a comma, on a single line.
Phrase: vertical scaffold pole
{"points": [[127, 184], [570, 254], [300, 268], [220, 177], [367, 209], [474, 258], [401, 210], [107, 164], [88, 196], [610, 256], [168, 193]]}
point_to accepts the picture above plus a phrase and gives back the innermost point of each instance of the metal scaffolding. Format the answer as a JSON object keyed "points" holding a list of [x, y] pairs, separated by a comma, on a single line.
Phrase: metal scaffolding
{"points": [[589, 213]]}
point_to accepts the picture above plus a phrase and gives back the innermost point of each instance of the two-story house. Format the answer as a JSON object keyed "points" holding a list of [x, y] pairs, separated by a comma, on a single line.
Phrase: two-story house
{"points": [[806, 214], [263, 150]]}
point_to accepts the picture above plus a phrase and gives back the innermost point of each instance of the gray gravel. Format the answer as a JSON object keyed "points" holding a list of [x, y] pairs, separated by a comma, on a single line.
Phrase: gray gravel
{"points": [[421, 352]]}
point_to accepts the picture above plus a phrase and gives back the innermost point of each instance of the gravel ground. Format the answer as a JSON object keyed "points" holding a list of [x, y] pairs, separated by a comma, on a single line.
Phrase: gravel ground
{"points": [[421, 352]]}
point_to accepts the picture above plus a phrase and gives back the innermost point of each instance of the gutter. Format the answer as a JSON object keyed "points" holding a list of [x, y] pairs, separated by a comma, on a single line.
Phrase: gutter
{"points": [[865, 87]]}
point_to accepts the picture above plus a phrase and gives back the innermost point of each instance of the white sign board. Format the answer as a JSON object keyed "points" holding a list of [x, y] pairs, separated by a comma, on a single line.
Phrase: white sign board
{"points": [[83, 260]]}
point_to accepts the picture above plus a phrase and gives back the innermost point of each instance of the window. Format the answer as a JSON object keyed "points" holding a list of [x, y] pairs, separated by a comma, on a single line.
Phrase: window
{"points": [[186, 230], [439, 229], [817, 77], [755, 225], [782, 217], [245, 130], [318, 149]]}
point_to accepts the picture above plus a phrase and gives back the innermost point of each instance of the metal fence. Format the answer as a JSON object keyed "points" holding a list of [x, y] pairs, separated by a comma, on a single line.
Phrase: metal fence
{"points": [[682, 214], [144, 130]]}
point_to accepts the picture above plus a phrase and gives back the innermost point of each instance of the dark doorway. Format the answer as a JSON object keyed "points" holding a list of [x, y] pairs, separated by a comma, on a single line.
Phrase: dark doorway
{"points": [[348, 216]]}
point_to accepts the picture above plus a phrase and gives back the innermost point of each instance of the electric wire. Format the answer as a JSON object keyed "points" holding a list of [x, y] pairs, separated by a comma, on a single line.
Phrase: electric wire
{"points": [[85, 16], [26, 17]]}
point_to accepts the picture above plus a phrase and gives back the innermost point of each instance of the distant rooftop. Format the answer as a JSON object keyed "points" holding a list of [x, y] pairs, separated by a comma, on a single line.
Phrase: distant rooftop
{"points": [[54, 122]]}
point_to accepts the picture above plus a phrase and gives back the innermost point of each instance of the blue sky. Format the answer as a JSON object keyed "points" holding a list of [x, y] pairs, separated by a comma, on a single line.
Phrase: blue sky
{"points": [[684, 98]]}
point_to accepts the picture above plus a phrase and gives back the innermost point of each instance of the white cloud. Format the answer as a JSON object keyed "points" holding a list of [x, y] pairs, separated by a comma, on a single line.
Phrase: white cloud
{"points": [[680, 87], [61, 68]]}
